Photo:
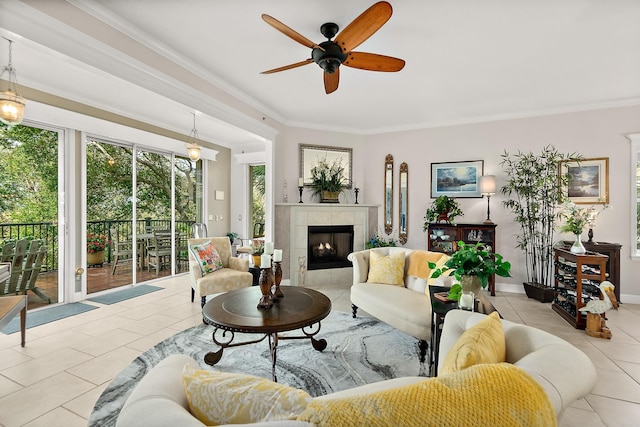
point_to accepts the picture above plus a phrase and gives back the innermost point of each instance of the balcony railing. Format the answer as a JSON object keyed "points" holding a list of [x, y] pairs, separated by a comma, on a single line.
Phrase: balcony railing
{"points": [[48, 233]]}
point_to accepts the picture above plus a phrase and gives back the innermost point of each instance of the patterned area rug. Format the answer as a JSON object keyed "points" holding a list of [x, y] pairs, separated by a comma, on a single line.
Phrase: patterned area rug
{"points": [[359, 351]]}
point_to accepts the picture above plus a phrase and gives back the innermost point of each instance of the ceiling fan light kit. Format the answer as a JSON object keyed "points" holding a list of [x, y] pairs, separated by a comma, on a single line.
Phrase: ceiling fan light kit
{"points": [[330, 54]]}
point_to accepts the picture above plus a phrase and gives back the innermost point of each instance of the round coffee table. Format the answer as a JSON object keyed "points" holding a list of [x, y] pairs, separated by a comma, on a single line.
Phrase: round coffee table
{"points": [[237, 311]]}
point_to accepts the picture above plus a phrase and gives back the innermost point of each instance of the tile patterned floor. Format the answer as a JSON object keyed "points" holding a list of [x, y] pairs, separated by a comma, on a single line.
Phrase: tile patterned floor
{"points": [[56, 379]]}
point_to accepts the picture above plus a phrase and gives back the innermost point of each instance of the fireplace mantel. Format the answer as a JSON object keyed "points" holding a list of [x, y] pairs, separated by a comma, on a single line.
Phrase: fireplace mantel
{"points": [[292, 220]]}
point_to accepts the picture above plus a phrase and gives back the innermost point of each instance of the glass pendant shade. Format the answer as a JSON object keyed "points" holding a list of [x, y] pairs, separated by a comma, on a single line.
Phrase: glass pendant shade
{"points": [[192, 147], [11, 108], [194, 151], [11, 103]]}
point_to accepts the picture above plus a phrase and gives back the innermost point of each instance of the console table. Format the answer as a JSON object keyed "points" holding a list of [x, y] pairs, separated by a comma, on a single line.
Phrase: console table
{"points": [[10, 306]]}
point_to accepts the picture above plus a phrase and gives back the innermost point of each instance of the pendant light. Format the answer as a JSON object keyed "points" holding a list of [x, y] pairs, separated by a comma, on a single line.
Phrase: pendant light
{"points": [[11, 103], [192, 146]]}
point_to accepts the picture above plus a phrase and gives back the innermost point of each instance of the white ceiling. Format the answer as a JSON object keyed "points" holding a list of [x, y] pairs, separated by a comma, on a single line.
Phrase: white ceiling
{"points": [[466, 61]]}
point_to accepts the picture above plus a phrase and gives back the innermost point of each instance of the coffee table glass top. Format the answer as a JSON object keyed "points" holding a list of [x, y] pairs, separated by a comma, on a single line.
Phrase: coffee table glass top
{"points": [[237, 310]]}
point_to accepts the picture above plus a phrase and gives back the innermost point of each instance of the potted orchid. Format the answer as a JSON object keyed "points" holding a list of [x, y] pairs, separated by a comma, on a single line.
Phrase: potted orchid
{"points": [[575, 220], [327, 179]]}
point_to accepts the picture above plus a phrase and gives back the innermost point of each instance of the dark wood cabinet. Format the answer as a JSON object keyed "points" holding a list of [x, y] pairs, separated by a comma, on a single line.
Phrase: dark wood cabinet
{"points": [[576, 279], [612, 250], [445, 238]]}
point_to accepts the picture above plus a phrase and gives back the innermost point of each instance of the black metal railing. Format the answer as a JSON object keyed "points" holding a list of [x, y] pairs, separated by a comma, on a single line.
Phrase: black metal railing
{"points": [[48, 233]]}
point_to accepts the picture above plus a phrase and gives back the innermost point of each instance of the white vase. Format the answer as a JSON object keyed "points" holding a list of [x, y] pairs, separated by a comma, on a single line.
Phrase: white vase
{"points": [[578, 247]]}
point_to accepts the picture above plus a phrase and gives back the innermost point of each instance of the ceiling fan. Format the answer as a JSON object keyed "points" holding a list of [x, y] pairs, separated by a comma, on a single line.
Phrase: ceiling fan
{"points": [[330, 54]]}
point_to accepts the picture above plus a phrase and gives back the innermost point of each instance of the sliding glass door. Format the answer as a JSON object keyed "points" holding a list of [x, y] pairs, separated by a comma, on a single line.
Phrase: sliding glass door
{"points": [[30, 179], [140, 207]]}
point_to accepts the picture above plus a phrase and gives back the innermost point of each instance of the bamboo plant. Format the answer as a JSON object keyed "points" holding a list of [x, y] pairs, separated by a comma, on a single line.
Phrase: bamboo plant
{"points": [[534, 191]]}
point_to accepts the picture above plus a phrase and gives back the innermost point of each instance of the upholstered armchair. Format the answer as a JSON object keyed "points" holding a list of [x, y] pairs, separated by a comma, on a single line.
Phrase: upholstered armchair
{"points": [[234, 273]]}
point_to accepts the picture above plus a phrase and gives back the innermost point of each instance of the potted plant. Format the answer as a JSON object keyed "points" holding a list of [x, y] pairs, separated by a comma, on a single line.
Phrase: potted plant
{"points": [[472, 265], [232, 236], [327, 179], [378, 241], [534, 190], [96, 244], [257, 249], [443, 208], [576, 219]]}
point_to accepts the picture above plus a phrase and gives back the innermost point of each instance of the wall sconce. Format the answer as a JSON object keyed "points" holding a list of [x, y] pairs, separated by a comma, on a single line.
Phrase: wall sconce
{"points": [[488, 188], [11, 103], [192, 146]]}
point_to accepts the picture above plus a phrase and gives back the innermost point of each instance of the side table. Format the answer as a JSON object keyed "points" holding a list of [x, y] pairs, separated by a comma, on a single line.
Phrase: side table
{"points": [[10, 306], [439, 310]]}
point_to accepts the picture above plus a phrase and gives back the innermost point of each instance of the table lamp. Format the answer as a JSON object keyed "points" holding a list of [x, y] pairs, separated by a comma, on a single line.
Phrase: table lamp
{"points": [[488, 188]]}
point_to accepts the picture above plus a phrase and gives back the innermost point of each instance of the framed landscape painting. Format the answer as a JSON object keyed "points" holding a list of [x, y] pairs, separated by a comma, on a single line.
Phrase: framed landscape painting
{"points": [[589, 181], [456, 179]]}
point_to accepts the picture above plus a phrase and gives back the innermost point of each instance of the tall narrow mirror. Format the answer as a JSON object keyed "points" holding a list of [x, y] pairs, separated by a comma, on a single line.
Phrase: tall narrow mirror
{"points": [[404, 202], [388, 194]]}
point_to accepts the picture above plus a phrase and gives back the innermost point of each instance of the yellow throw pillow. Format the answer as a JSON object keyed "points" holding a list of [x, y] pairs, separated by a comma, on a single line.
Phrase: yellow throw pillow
{"points": [[224, 398], [482, 343], [498, 395], [386, 269]]}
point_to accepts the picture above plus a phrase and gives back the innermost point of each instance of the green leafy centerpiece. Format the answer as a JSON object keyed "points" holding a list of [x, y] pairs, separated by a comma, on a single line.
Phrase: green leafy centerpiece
{"points": [[472, 265]]}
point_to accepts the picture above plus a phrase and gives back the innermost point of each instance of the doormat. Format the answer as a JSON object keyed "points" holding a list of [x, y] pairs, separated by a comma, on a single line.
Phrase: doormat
{"points": [[124, 294], [47, 315]]}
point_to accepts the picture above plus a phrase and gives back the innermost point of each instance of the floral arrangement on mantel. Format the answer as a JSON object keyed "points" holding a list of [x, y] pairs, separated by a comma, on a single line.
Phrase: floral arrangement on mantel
{"points": [[576, 218], [327, 177], [96, 242]]}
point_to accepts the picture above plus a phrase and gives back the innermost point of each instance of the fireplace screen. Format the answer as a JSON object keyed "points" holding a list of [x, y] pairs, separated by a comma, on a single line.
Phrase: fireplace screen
{"points": [[329, 246]]}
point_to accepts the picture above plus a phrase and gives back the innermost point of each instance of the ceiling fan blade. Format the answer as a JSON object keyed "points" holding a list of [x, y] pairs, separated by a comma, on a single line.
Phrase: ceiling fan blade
{"points": [[288, 67], [373, 62], [364, 26], [331, 81], [288, 31]]}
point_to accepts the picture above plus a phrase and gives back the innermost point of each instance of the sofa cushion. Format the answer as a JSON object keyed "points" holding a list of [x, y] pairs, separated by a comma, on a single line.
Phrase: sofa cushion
{"points": [[482, 343], [484, 395], [225, 398], [386, 269], [206, 256]]}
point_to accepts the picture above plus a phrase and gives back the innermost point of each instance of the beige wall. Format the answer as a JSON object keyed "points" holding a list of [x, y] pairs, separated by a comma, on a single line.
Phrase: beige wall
{"points": [[598, 133]]}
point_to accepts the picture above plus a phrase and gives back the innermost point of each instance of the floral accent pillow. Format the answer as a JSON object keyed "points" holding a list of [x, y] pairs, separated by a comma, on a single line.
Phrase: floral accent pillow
{"points": [[207, 257], [217, 398]]}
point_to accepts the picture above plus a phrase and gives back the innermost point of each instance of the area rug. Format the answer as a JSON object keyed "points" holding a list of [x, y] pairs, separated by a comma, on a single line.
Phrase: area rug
{"points": [[47, 315], [359, 351], [124, 294]]}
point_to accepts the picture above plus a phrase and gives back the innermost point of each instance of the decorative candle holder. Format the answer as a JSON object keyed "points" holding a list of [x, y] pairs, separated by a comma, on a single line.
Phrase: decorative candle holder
{"points": [[300, 190], [277, 272], [356, 190], [266, 281]]}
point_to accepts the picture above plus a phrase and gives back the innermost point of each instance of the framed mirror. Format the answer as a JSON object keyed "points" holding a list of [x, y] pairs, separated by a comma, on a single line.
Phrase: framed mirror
{"points": [[311, 154], [403, 205], [388, 194]]}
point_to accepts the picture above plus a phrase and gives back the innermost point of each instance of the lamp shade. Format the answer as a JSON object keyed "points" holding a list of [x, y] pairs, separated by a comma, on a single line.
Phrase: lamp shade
{"points": [[488, 184], [11, 108], [194, 151]]}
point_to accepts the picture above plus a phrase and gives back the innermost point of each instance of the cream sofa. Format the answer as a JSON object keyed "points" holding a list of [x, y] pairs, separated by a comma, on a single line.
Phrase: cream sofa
{"points": [[407, 308], [564, 372]]}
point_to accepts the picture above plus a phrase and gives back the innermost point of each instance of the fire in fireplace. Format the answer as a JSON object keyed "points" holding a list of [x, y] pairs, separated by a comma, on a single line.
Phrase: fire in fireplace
{"points": [[328, 246]]}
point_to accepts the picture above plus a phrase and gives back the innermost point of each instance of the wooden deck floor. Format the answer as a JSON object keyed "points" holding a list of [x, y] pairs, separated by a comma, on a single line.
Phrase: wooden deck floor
{"points": [[98, 279]]}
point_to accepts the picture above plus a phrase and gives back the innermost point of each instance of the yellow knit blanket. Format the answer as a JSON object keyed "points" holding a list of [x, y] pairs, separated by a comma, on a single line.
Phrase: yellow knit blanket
{"points": [[419, 263], [483, 395]]}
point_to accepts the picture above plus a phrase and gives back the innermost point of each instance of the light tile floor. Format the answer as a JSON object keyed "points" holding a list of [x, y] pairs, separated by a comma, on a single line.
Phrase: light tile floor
{"points": [[56, 379]]}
